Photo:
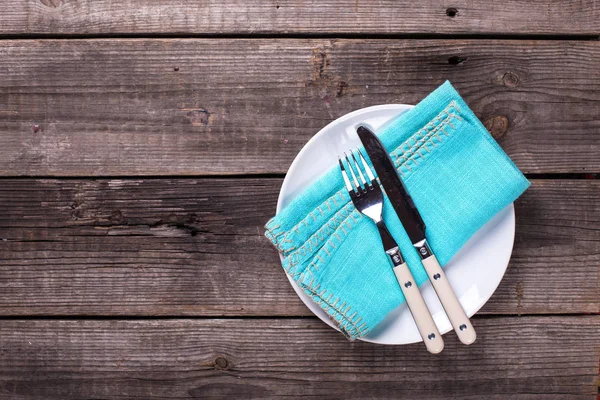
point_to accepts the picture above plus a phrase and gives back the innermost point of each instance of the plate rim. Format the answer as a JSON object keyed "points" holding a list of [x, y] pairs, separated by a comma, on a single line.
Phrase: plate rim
{"points": [[320, 132]]}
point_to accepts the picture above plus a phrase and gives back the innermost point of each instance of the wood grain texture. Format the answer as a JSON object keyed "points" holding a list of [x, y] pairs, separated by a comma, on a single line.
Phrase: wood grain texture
{"points": [[513, 358], [81, 17], [209, 106], [191, 247]]}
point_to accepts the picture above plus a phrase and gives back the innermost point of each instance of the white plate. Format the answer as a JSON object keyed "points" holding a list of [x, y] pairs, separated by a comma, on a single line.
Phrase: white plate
{"points": [[474, 272]]}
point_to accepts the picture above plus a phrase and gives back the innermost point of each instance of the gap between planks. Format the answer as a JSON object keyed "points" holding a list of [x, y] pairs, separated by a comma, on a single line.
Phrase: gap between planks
{"points": [[556, 176], [341, 35]]}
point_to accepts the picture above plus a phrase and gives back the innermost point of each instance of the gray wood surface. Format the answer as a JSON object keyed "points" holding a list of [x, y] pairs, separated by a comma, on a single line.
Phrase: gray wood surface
{"points": [[224, 106], [143, 17], [513, 358], [195, 247], [123, 279]]}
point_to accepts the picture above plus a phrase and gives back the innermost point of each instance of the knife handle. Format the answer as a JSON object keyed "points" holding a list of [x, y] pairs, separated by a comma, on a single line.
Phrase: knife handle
{"points": [[459, 320], [416, 304]]}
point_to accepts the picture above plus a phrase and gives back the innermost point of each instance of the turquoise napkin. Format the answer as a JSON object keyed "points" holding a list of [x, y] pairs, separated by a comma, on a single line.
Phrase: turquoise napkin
{"points": [[458, 177]]}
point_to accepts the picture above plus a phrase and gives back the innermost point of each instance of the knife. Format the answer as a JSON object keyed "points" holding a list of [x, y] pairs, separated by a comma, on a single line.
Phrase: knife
{"points": [[415, 228]]}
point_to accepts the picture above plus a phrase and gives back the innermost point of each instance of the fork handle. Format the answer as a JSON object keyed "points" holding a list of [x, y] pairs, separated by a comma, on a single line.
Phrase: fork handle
{"points": [[416, 304], [459, 320]]}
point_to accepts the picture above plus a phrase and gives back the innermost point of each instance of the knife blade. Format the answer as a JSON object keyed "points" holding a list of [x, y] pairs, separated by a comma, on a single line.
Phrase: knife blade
{"points": [[393, 185], [415, 228]]}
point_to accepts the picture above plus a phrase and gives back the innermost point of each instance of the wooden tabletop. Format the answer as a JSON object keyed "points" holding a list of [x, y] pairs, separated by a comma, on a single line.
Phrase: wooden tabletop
{"points": [[142, 148]]}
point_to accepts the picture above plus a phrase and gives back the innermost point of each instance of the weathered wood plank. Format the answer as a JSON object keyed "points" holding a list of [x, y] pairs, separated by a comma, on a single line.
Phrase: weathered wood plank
{"points": [[542, 17], [207, 106], [513, 358], [191, 247]]}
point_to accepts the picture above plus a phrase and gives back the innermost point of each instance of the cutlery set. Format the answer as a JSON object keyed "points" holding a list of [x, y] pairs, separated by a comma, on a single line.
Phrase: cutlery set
{"points": [[367, 197]]}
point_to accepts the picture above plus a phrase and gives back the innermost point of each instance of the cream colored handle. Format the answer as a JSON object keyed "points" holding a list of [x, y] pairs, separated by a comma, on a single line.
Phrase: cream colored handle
{"points": [[456, 314], [427, 328]]}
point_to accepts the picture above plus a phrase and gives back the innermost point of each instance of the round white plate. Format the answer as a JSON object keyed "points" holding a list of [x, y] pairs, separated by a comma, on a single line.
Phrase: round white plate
{"points": [[474, 272]]}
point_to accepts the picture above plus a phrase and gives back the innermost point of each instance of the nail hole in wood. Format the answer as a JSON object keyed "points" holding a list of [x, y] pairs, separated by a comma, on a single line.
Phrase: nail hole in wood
{"points": [[451, 12], [456, 60]]}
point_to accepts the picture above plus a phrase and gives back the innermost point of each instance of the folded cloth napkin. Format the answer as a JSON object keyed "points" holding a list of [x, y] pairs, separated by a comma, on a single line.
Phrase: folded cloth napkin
{"points": [[458, 177]]}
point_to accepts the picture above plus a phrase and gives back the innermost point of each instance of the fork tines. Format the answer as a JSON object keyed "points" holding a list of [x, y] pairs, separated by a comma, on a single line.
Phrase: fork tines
{"points": [[352, 166], [366, 196]]}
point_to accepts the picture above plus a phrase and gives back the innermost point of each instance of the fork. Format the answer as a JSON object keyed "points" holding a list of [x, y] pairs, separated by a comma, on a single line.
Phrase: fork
{"points": [[368, 199]]}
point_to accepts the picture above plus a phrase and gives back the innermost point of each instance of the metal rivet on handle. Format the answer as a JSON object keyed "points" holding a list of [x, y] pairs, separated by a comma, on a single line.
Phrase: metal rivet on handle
{"points": [[408, 284], [437, 276], [431, 336], [463, 327]]}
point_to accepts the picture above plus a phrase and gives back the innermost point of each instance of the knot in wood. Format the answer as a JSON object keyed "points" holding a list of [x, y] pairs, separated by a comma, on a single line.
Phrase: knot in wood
{"points": [[510, 80], [116, 217], [199, 117], [319, 61], [340, 89], [519, 293], [51, 3], [496, 125], [221, 363]]}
